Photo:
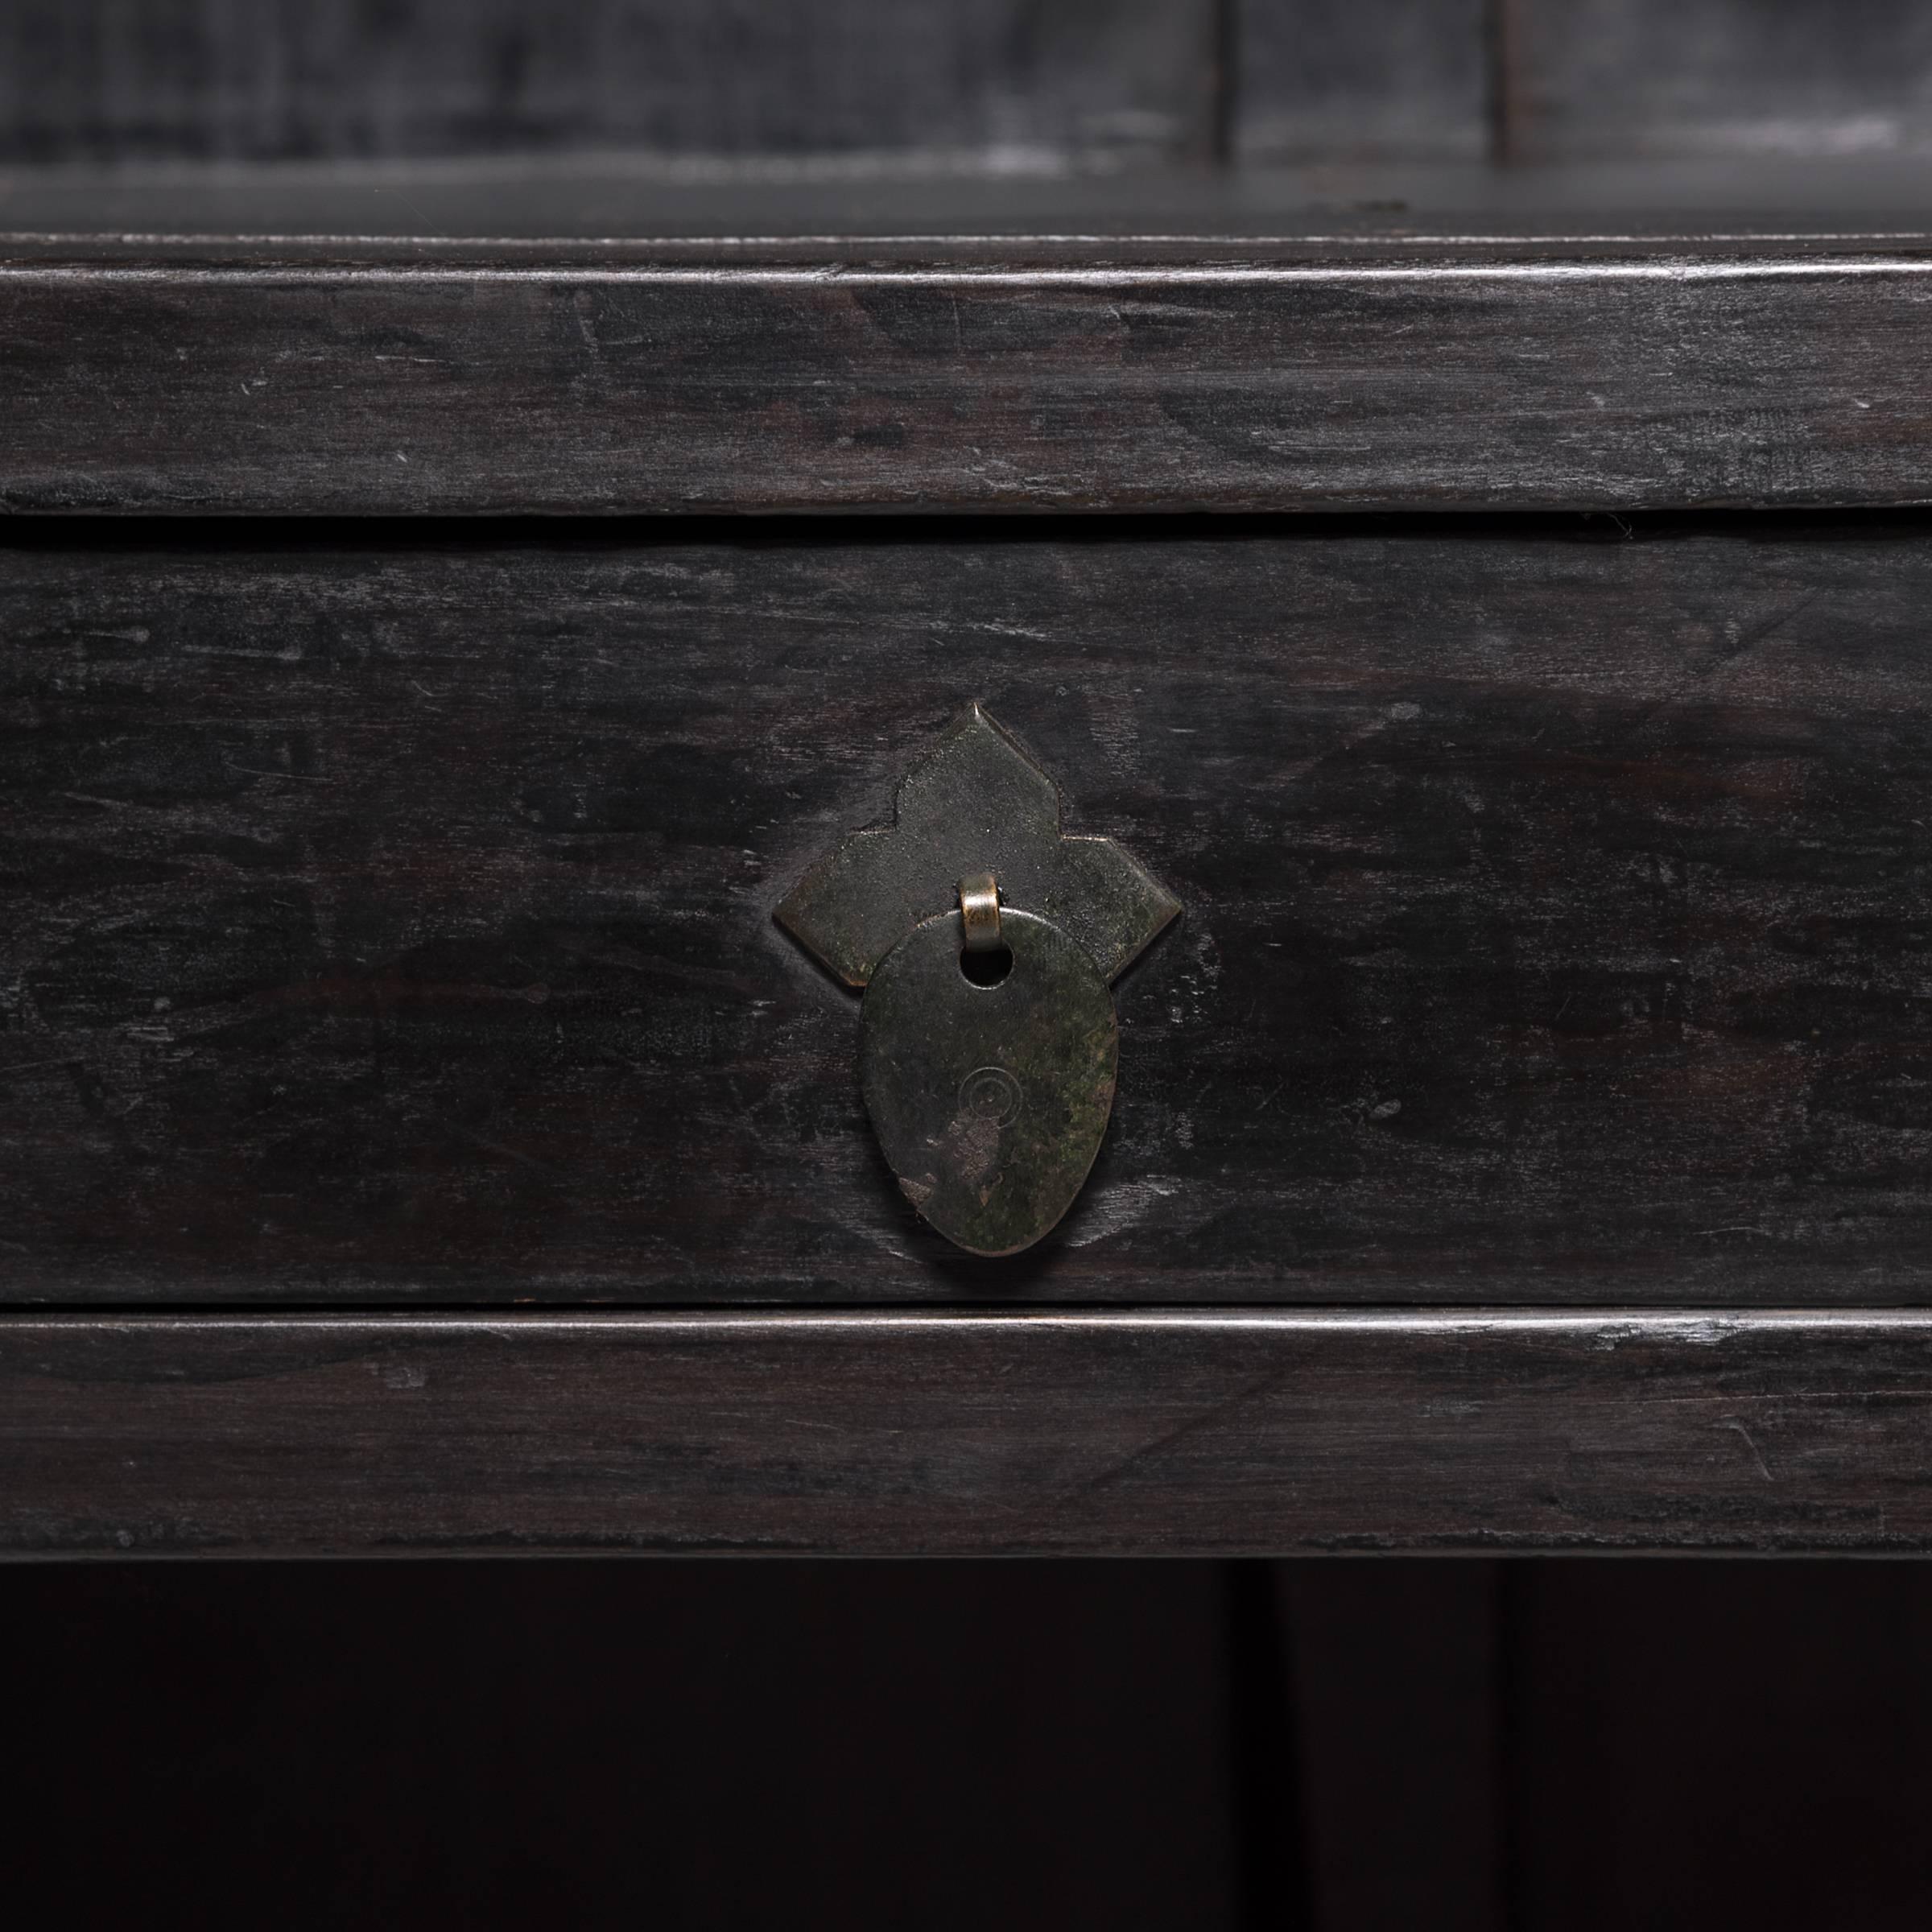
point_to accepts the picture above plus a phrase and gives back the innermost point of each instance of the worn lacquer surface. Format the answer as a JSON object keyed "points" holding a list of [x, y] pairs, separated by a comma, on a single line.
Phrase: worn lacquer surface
{"points": [[1160, 1433], [388, 917], [1351, 373]]}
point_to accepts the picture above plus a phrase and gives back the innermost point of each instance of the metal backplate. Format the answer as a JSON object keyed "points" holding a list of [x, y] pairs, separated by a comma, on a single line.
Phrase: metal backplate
{"points": [[977, 804]]}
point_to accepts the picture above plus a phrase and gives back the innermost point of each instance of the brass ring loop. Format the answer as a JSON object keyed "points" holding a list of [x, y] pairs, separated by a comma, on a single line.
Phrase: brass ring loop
{"points": [[980, 912]]}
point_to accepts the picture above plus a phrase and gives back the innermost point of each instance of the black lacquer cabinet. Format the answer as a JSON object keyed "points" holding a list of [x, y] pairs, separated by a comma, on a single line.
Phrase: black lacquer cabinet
{"points": [[440, 631]]}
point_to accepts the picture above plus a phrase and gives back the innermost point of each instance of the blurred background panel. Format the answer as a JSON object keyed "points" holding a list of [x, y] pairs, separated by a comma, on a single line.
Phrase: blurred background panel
{"points": [[1632, 79], [688, 1744], [1360, 80], [922, 86], [1328, 1745], [1020, 84], [1699, 1744]]}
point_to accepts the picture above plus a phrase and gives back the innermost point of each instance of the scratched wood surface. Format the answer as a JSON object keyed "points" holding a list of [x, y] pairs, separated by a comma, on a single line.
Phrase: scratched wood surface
{"points": [[388, 914], [874, 1434], [1034, 378]]}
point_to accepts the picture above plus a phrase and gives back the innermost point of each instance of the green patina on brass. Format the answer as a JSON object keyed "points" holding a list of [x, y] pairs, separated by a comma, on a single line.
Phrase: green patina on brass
{"points": [[990, 1101]]}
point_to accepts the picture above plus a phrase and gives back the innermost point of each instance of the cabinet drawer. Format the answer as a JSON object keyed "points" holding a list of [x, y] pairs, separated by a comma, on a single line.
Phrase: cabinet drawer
{"points": [[388, 915]]}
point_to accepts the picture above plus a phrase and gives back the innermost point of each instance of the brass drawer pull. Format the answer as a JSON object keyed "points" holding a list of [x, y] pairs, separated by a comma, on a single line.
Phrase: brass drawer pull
{"points": [[985, 939]]}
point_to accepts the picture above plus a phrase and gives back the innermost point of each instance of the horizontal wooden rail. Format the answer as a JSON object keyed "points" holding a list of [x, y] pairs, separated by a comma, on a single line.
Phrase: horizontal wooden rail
{"points": [[275, 376], [1080, 1433]]}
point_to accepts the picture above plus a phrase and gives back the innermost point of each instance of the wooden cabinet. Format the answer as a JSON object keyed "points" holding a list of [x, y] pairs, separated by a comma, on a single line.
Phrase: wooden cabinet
{"points": [[451, 604], [391, 908]]}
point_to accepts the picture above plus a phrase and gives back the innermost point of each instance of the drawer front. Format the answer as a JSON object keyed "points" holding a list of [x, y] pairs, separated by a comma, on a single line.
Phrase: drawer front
{"points": [[388, 918]]}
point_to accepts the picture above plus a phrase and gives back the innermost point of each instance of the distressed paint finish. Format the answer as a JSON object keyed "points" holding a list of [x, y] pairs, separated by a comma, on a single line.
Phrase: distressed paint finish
{"points": [[1389, 374], [875, 1434], [388, 914]]}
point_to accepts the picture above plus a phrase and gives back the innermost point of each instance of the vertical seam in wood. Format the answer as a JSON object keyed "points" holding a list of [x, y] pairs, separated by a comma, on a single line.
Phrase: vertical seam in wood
{"points": [[1223, 81], [1503, 79], [1511, 1618]]}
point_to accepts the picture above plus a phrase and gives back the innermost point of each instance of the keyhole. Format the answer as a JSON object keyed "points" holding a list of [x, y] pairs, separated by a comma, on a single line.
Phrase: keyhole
{"points": [[987, 968]]}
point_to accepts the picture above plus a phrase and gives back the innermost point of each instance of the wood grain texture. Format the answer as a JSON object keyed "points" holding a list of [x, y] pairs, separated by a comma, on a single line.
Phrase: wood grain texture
{"points": [[1343, 81], [388, 917], [1031, 378], [1017, 81], [875, 1434]]}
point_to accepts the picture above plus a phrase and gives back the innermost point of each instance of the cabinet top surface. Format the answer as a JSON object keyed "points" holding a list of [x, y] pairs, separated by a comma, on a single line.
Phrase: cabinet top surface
{"points": [[351, 340], [580, 202]]}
